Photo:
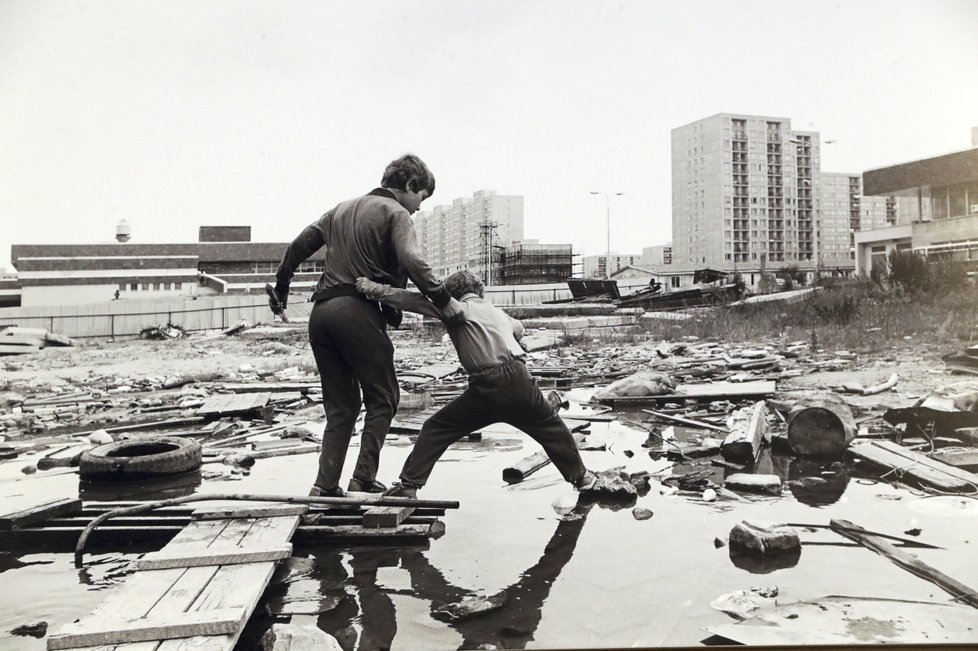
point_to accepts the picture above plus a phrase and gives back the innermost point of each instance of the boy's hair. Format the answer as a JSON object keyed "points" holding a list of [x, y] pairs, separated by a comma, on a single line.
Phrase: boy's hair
{"points": [[461, 283], [404, 170]]}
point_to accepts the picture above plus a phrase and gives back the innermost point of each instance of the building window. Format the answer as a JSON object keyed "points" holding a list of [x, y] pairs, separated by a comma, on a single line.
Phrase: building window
{"points": [[133, 286], [674, 281], [122, 286], [177, 285]]}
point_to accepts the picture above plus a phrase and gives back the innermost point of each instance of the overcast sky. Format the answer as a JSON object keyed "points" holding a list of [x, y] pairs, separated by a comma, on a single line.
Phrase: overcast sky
{"points": [[174, 114]]}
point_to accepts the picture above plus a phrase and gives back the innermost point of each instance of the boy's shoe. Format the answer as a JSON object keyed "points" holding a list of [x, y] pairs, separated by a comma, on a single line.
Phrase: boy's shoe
{"points": [[587, 481], [364, 486], [327, 492], [398, 489]]}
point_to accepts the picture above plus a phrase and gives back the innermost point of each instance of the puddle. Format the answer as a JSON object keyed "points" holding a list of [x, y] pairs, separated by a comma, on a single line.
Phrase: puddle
{"points": [[578, 576]]}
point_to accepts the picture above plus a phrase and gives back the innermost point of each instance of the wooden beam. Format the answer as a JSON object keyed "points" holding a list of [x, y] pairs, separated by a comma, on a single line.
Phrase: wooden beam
{"points": [[117, 631], [688, 422], [217, 555], [529, 465], [928, 472], [40, 513], [386, 516], [743, 443], [249, 512], [961, 592]]}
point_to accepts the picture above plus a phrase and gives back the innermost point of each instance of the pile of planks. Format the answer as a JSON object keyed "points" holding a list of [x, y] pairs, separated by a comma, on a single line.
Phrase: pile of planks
{"points": [[21, 341]]}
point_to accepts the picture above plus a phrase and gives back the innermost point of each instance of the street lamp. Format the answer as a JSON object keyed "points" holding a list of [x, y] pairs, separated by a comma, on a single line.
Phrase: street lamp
{"points": [[607, 208]]}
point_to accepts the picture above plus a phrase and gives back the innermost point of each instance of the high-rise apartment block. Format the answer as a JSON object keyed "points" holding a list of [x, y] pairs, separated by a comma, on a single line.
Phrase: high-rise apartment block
{"points": [[656, 256], [743, 191], [844, 211], [465, 234]]}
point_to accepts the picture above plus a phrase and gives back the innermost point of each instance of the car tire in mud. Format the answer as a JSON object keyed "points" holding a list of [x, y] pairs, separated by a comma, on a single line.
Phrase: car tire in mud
{"points": [[142, 458]]}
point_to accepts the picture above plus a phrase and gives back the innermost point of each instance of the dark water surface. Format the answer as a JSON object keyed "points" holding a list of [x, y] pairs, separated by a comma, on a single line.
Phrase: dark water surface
{"points": [[595, 577]]}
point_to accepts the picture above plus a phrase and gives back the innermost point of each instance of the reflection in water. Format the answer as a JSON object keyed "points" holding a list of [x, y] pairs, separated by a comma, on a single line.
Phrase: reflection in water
{"points": [[366, 619], [143, 489], [817, 484], [765, 564]]}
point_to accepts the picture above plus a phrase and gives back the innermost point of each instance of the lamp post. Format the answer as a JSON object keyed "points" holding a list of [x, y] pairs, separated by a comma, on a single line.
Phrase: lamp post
{"points": [[607, 209]]}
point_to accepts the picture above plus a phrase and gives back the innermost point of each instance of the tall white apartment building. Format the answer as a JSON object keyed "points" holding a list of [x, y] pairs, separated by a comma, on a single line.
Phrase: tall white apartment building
{"points": [[845, 211], [465, 234], [743, 191]]}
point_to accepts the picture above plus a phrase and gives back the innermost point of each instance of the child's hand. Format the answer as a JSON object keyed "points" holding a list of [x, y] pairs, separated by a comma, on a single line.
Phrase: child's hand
{"points": [[370, 289]]}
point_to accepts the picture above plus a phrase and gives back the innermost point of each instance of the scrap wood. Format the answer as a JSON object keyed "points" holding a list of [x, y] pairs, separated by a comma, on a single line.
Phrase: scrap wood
{"points": [[907, 542], [709, 391], [689, 422], [926, 471], [748, 432], [360, 500], [529, 465], [914, 565]]}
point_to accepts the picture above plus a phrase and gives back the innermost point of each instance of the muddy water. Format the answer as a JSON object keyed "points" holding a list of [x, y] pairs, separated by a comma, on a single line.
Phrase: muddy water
{"points": [[595, 577]]}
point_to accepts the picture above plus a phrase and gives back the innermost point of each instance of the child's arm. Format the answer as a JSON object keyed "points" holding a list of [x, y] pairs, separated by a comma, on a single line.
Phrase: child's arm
{"points": [[402, 299]]}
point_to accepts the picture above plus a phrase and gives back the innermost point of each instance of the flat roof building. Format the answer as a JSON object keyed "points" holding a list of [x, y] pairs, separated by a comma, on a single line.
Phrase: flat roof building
{"points": [[939, 197]]}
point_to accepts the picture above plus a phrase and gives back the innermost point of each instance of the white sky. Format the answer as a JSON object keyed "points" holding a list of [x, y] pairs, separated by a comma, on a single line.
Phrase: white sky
{"points": [[173, 114]]}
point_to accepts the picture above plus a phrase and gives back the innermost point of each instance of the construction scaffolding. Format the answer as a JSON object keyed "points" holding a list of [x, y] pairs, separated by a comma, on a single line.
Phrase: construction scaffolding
{"points": [[530, 264]]}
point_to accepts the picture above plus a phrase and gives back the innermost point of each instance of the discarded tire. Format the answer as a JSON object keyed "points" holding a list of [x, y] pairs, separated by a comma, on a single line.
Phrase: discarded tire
{"points": [[146, 458]]}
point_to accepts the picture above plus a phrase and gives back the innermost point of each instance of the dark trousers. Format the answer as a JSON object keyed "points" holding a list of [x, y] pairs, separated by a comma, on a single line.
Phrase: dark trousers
{"points": [[353, 353], [505, 393]]}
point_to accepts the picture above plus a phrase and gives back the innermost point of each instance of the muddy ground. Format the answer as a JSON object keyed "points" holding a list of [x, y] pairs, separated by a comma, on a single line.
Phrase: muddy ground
{"points": [[616, 581]]}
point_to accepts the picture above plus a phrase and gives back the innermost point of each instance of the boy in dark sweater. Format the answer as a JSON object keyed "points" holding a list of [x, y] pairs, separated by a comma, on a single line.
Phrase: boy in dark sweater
{"points": [[500, 387]]}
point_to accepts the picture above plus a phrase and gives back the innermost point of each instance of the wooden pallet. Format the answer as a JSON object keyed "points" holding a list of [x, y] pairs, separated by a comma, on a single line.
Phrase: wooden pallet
{"points": [[196, 593], [55, 526]]}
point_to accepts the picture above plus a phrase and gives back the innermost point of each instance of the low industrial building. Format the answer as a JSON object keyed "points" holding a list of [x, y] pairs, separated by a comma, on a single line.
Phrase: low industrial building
{"points": [[939, 210]]}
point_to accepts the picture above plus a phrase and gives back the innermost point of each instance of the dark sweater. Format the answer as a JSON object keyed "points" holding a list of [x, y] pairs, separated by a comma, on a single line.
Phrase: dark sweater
{"points": [[370, 236]]}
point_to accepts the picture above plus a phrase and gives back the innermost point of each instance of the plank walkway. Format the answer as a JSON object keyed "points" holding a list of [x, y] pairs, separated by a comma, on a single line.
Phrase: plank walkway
{"points": [[187, 603]]}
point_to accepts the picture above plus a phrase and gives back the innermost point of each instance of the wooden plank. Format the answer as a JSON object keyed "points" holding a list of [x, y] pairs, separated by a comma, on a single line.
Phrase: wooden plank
{"points": [[711, 391], [175, 625], [212, 588], [22, 340], [743, 443], [386, 516], [527, 466], [233, 403], [17, 349], [225, 589], [688, 422], [901, 558], [250, 512], [213, 556], [40, 513], [909, 463]]}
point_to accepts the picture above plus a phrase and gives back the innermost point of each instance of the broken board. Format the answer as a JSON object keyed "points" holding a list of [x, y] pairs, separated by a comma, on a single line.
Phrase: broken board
{"points": [[848, 621], [181, 608], [705, 392], [928, 472], [226, 404]]}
